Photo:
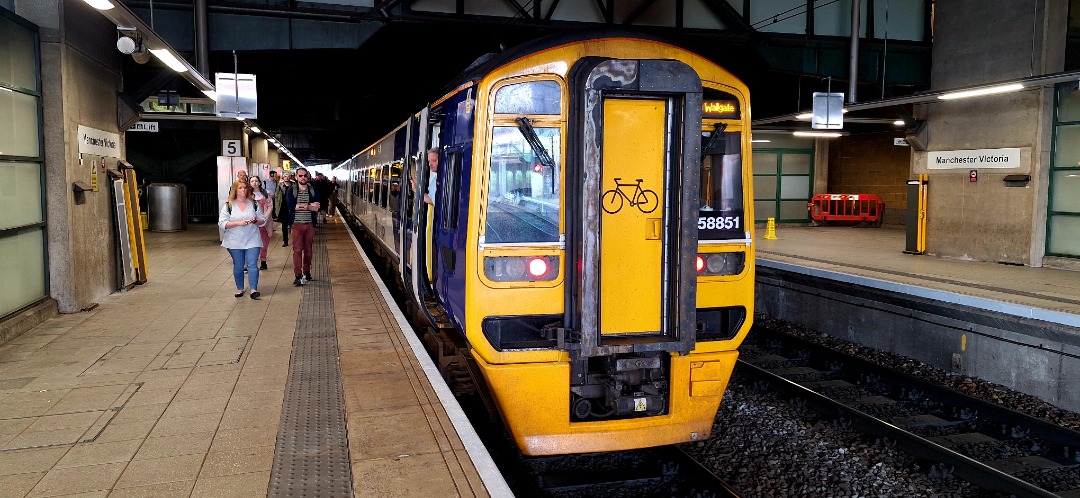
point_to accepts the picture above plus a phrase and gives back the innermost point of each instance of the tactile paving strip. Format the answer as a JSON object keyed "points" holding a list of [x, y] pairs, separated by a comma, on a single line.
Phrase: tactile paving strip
{"points": [[312, 454]]}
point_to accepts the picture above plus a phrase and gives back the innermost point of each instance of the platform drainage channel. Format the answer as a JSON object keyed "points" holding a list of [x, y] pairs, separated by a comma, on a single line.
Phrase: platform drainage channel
{"points": [[312, 453]]}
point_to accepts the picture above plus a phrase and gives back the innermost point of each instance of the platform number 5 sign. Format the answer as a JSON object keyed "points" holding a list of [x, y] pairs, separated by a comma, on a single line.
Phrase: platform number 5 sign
{"points": [[230, 148]]}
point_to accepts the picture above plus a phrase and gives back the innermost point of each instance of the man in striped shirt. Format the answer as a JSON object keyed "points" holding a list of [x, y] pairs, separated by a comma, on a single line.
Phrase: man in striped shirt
{"points": [[303, 202]]}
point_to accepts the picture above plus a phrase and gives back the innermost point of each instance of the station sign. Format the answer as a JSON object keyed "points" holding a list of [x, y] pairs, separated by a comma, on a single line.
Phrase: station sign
{"points": [[974, 159], [828, 111], [151, 126], [98, 142], [237, 96]]}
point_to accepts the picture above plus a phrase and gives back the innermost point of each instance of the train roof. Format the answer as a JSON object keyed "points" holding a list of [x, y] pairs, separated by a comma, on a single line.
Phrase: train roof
{"points": [[488, 62]]}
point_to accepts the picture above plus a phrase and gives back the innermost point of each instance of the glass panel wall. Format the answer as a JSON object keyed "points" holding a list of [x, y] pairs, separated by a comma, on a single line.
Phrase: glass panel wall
{"points": [[1063, 207], [782, 180], [22, 185]]}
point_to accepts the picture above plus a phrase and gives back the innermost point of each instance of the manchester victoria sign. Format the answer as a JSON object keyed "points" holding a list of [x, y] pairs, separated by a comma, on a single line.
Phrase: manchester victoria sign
{"points": [[974, 158]]}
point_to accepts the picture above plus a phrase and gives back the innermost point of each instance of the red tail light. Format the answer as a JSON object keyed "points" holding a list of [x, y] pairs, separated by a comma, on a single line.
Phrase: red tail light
{"points": [[538, 267]]}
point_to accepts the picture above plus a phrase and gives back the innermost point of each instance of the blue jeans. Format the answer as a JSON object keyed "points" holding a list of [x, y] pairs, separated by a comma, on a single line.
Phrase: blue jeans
{"points": [[245, 257]]}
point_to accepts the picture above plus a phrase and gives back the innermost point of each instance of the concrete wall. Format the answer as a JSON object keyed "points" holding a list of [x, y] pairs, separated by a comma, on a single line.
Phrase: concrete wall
{"points": [[871, 164], [980, 42], [80, 78], [1031, 356]]}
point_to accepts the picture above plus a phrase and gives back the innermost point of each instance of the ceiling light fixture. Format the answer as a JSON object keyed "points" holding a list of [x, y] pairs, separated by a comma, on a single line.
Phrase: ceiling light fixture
{"points": [[165, 55], [977, 92], [817, 134], [255, 129], [100, 4]]}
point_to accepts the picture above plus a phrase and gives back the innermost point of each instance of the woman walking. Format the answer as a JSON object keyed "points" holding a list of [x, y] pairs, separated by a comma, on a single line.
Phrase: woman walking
{"points": [[241, 218], [266, 205]]}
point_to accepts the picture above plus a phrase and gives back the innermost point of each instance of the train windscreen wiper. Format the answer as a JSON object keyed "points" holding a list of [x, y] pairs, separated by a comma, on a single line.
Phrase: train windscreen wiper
{"points": [[718, 130], [529, 133]]}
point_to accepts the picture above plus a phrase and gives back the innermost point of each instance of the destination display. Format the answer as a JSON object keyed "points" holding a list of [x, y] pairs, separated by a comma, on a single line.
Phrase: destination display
{"points": [[723, 109]]}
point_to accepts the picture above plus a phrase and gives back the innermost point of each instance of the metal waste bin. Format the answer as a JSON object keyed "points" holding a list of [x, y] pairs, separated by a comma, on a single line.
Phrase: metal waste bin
{"points": [[167, 207]]}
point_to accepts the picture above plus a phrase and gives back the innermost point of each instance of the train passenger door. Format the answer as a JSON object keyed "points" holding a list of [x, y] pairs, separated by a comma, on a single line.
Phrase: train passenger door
{"points": [[419, 214], [637, 239]]}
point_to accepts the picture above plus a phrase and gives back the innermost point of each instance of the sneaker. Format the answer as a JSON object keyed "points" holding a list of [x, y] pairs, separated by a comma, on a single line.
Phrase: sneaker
{"points": [[307, 275], [255, 295], [262, 265], [297, 282], [284, 244]]}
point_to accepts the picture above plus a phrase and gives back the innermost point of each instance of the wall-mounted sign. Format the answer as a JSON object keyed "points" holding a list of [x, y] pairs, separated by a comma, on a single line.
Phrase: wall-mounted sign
{"points": [[151, 126], [230, 148], [902, 142], [98, 142], [974, 158], [724, 109]]}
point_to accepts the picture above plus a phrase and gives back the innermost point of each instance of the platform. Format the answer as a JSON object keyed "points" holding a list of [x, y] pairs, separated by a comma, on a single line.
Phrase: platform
{"points": [[177, 388], [1014, 325], [875, 256]]}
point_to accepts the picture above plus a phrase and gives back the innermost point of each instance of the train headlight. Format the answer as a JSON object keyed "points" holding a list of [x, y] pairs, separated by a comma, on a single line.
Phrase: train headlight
{"points": [[721, 263], [521, 268]]}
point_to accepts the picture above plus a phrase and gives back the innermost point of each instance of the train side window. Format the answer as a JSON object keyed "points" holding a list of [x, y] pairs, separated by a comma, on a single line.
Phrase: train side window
{"points": [[722, 213], [384, 185], [523, 192], [451, 193], [530, 97]]}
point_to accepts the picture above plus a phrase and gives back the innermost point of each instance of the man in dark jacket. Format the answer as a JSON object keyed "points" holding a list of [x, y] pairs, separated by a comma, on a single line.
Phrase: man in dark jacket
{"points": [[303, 202], [281, 211]]}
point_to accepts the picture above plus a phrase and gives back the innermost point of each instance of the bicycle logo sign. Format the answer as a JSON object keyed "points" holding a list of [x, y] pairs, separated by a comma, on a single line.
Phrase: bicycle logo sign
{"points": [[645, 200]]}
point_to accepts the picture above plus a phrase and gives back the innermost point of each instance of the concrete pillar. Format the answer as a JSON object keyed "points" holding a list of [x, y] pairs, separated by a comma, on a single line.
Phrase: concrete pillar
{"points": [[80, 73]]}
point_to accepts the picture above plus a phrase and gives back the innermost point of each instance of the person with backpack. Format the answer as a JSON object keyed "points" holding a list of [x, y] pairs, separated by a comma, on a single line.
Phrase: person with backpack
{"points": [[303, 202], [240, 218], [266, 205]]}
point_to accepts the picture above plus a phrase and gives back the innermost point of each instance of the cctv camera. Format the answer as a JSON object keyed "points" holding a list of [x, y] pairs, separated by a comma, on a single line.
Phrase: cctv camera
{"points": [[126, 45]]}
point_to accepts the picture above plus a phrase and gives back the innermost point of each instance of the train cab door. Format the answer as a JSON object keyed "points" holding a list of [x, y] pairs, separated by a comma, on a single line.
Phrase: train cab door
{"points": [[637, 239]]}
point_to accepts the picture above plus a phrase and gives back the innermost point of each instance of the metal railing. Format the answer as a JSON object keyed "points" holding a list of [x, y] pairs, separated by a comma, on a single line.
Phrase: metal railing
{"points": [[202, 207]]}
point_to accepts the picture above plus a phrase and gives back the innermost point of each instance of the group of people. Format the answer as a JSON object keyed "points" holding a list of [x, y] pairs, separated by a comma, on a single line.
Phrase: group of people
{"points": [[298, 201]]}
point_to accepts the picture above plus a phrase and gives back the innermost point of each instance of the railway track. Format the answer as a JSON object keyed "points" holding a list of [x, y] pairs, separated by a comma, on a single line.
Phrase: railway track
{"points": [[664, 471], [1003, 451]]}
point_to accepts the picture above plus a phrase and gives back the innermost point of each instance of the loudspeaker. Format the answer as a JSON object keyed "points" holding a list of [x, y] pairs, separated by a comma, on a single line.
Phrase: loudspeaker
{"points": [[917, 136]]}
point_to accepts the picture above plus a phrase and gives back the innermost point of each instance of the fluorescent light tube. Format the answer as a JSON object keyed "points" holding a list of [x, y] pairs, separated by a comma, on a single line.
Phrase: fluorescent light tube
{"points": [[169, 59], [100, 4], [991, 90], [818, 134]]}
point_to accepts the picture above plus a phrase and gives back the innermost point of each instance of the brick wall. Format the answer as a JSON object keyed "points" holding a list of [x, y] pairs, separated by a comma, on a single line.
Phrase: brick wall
{"points": [[871, 164]]}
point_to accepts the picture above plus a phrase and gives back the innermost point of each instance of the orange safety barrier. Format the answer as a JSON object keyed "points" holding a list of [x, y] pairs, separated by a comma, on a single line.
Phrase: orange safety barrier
{"points": [[862, 208]]}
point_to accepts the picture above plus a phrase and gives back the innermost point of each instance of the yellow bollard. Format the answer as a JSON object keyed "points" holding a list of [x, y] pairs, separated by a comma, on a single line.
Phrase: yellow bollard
{"points": [[770, 229]]}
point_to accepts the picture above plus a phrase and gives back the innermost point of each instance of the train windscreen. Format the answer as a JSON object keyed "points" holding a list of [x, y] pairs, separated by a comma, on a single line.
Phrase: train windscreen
{"points": [[523, 190]]}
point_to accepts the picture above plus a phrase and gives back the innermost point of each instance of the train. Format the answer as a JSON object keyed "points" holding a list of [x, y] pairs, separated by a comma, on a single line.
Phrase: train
{"points": [[586, 262]]}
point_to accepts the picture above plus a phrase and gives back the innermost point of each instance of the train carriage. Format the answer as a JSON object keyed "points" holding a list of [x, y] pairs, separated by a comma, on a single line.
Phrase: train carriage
{"points": [[590, 248]]}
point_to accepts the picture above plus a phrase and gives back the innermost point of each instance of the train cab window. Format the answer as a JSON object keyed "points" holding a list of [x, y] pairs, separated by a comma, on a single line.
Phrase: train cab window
{"points": [[531, 97], [721, 215], [523, 187]]}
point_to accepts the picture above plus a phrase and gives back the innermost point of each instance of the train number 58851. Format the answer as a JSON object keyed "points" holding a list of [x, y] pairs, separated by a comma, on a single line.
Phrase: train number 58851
{"points": [[717, 222]]}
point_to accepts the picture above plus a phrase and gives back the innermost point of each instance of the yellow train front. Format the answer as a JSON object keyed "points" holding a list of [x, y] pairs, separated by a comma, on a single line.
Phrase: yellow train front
{"points": [[591, 236]]}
